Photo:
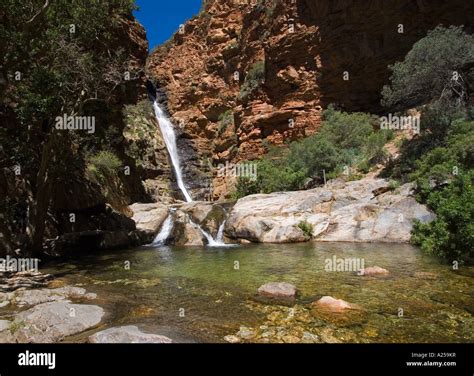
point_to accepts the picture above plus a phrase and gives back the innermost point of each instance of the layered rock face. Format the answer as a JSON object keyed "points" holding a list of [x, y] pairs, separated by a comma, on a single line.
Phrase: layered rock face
{"points": [[245, 74]]}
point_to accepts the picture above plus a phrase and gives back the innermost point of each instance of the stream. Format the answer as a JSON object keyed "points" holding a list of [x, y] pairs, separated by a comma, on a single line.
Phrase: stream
{"points": [[198, 294]]}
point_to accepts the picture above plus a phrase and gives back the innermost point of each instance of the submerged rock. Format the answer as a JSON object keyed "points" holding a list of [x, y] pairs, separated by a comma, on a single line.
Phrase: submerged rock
{"points": [[4, 324], [277, 290], [373, 271], [232, 339], [127, 334], [35, 297], [13, 281], [425, 275], [51, 322], [246, 333], [333, 305]]}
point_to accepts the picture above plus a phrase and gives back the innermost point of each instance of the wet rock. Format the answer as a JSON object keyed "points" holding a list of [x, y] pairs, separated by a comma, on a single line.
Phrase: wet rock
{"points": [[425, 275], [232, 339], [12, 281], [277, 290], [4, 324], [34, 297], [127, 334], [310, 338], [245, 333], [51, 322], [374, 271], [149, 217], [331, 304]]}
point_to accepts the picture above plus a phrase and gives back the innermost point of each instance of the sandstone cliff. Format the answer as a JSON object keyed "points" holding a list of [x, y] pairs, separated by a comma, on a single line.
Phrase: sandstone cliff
{"points": [[245, 74]]}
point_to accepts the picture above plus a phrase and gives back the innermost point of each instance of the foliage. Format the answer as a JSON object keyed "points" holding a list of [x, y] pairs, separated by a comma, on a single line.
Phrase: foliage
{"points": [[451, 235], [102, 165], [343, 139], [59, 58], [427, 73], [253, 79], [307, 228], [225, 119]]}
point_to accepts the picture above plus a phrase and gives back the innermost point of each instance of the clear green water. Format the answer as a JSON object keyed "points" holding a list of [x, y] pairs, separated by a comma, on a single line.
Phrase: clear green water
{"points": [[197, 294]]}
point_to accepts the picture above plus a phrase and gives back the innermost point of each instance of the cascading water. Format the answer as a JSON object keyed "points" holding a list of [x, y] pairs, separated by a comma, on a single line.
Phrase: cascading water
{"points": [[167, 130], [165, 231]]}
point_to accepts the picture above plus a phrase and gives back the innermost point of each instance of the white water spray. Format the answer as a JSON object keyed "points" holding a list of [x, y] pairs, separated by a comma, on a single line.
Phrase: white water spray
{"points": [[165, 231], [167, 130]]}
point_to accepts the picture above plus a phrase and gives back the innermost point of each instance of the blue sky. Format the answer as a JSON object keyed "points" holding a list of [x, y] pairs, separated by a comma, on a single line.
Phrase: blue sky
{"points": [[161, 18]]}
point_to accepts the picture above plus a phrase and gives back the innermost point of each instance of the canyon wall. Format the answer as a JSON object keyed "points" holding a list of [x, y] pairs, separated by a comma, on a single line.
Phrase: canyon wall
{"points": [[243, 75], [100, 207]]}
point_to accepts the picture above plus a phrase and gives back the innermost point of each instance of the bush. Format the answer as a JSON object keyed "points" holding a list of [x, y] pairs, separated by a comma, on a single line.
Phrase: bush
{"points": [[348, 131], [307, 228], [340, 142], [254, 78], [225, 119], [451, 235], [427, 70], [313, 155], [103, 165], [444, 178]]}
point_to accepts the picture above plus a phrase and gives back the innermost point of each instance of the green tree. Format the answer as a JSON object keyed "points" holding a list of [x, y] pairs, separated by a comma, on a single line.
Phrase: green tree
{"points": [[438, 67], [57, 57]]}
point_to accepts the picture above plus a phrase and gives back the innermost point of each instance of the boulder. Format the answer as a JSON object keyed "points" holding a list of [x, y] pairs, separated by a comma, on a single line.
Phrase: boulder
{"points": [[340, 211], [328, 303], [127, 334], [149, 217], [277, 290]]}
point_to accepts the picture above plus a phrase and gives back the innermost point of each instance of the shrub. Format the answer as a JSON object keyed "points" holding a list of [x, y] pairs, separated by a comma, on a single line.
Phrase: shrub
{"points": [[451, 235], [254, 78], [225, 119], [339, 143], [427, 70], [103, 165], [313, 155], [307, 228]]}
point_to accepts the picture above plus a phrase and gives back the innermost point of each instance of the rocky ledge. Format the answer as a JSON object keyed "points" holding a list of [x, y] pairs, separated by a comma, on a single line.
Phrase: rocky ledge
{"points": [[366, 210]]}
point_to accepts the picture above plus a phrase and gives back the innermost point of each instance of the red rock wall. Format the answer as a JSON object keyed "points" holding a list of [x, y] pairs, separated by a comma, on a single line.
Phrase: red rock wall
{"points": [[307, 46]]}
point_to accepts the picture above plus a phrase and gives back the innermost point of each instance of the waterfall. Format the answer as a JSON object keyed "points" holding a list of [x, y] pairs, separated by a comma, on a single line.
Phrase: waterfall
{"points": [[167, 130], [219, 242], [220, 233], [169, 136], [165, 231]]}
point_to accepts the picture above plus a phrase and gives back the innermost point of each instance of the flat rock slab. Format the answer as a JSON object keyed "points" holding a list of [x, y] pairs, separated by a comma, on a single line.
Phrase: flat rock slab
{"points": [[51, 322], [279, 290], [127, 334], [39, 296], [340, 211]]}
